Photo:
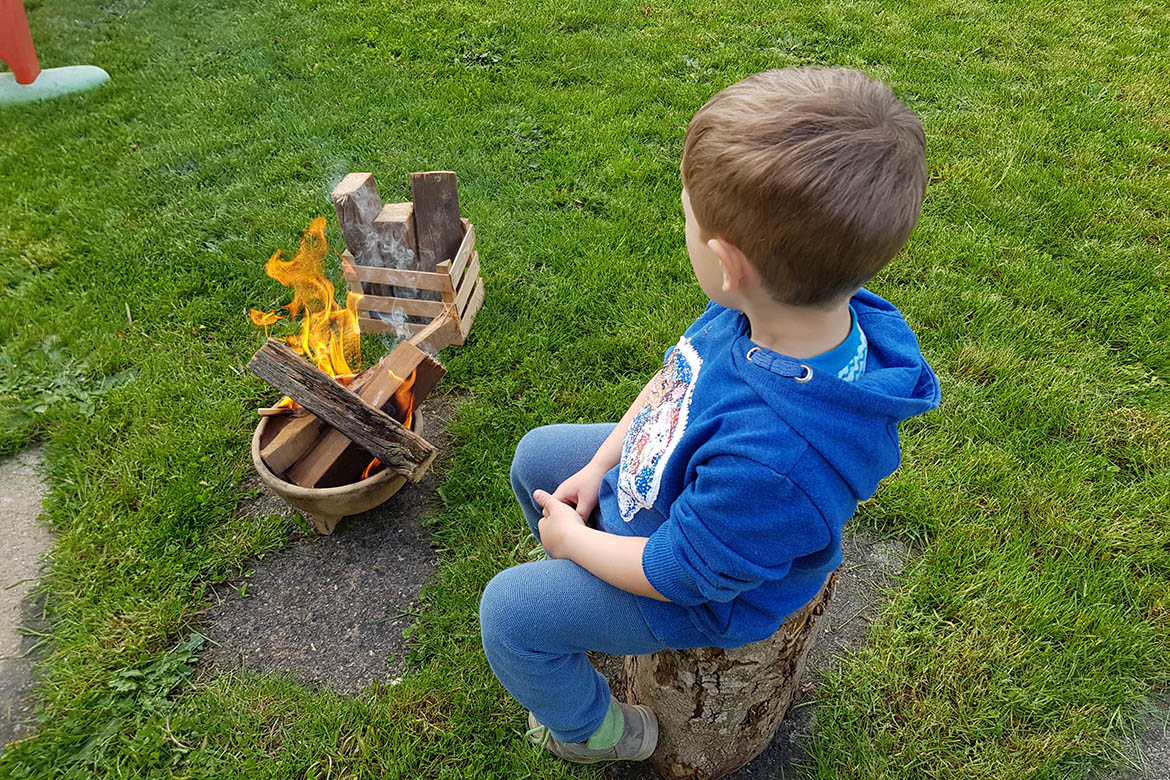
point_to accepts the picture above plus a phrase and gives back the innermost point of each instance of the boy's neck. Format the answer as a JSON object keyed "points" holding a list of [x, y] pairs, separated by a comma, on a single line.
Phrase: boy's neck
{"points": [[796, 331]]}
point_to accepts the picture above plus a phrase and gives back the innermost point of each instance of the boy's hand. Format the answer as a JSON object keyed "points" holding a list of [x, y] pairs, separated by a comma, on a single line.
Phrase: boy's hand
{"points": [[558, 525], [615, 559], [580, 490]]}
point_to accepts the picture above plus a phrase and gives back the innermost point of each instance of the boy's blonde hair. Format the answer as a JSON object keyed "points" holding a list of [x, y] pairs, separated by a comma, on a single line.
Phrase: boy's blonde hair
{"points": [[816, 174]]}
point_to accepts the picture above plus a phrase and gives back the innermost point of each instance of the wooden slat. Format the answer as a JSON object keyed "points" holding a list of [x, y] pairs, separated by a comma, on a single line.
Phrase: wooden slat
{"points": [[468, 283], [432, 337], [436, 216], [473, 307], [403, 451], [410, 306], [378, 327], [421, 279], [459, 264], [441, 332]]}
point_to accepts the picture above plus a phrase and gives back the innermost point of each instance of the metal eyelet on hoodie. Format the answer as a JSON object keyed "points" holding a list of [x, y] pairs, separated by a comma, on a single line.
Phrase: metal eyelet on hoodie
{"points": [[769, 362]]}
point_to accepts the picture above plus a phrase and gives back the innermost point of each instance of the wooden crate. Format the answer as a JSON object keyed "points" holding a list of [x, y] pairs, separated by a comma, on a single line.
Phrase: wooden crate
{"points": [[457, 281], [393, 253]]}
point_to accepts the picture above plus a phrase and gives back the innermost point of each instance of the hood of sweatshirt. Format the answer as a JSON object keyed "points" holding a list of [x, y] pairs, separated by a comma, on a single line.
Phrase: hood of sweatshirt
{"points": [[853, 426]]}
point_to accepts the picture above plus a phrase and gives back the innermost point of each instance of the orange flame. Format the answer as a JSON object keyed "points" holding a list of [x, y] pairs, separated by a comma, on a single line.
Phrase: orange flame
{"points": [[404, 403], [404, 399], [329, 334], [263, 318]]}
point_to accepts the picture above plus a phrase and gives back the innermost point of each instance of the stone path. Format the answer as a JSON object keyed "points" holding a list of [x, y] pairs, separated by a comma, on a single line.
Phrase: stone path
{"points": [[23, 541]]}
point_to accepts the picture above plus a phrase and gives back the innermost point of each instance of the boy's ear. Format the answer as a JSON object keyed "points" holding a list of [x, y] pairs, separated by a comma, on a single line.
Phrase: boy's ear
{"points": [[733, 262]]}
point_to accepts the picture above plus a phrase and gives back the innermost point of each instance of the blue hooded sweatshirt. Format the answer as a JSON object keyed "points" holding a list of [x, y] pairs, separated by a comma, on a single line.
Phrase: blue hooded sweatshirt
{"points": [[742, 475]]}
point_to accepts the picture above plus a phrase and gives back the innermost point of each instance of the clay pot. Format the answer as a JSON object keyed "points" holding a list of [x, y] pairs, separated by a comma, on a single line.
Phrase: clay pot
{"points": [[325, 506]]}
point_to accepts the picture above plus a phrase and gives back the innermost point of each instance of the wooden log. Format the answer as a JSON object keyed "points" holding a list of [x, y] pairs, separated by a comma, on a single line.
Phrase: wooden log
{"points": [[400, 449], [394, 226], [288, 440], [334, 459], [718, 709], [358, 205], [399, 245], [291, 442], [436, 216]]}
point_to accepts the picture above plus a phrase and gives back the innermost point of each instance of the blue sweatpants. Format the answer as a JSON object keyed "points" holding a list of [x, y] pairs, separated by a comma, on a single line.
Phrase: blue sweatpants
{"points": [[538, 619]]}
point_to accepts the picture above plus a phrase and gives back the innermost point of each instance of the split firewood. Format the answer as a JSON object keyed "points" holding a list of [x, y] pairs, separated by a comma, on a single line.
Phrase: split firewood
{"points": [[287, 440], [398, 244], [401, 450], [336, 460], [290, 442], [358, 204], [436, 216]]}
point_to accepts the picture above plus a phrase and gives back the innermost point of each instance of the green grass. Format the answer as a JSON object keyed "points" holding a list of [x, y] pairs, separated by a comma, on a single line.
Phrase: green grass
{"points": [[136, 220]]}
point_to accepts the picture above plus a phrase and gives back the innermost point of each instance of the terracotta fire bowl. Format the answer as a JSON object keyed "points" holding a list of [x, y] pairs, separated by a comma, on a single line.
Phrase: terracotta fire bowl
{"points": [[325, 506]]}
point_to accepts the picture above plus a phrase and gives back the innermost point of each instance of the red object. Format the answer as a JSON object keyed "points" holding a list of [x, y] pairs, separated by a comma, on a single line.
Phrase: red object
{"points": [[16, 45]]}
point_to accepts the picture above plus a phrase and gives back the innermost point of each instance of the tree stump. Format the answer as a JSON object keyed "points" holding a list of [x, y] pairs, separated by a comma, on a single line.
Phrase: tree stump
{"points": [[718, 709]]}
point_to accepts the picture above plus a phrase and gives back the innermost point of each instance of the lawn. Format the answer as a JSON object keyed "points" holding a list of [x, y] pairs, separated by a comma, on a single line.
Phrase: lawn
{"points": [[134, 222]]}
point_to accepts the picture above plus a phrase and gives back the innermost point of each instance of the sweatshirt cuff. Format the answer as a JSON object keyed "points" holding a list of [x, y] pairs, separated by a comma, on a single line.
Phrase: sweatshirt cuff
{"points": [[664, 572]]}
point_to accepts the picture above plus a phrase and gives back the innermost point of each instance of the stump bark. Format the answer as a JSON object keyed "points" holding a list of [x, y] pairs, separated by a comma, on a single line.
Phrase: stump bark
{"points": [[718, 709]]}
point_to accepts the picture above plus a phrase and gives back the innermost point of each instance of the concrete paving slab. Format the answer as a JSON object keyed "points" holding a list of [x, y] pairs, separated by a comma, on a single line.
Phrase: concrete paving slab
{"points": [[24, 540]]}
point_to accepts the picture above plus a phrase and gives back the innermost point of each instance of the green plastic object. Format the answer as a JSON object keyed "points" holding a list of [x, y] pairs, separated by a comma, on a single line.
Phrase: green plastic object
{"points": [[51, 83]]}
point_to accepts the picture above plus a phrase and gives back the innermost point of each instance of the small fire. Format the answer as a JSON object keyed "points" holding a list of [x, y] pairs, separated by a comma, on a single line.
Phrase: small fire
{"points": [[329, 333], [404, 403], [404, 399]]}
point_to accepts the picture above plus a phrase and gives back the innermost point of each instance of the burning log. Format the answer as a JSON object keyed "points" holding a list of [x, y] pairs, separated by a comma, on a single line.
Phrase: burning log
{"points": [[292, 438], [403, 376], [401, 450]]}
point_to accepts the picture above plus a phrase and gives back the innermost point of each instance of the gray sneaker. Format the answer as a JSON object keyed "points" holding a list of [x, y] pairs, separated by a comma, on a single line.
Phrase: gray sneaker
{"points": [[639, 738]]}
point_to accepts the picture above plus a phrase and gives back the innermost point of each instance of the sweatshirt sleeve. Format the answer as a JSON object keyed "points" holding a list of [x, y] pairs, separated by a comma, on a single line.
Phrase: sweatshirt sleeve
{"points": [[737, 525]]}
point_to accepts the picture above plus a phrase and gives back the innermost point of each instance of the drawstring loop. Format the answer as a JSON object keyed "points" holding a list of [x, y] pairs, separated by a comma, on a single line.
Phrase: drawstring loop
{"points": [[778, 364]]}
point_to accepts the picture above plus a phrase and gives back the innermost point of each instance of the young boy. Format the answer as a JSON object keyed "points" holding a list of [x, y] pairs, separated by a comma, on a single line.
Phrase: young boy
{"points": [[714, 509]]}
